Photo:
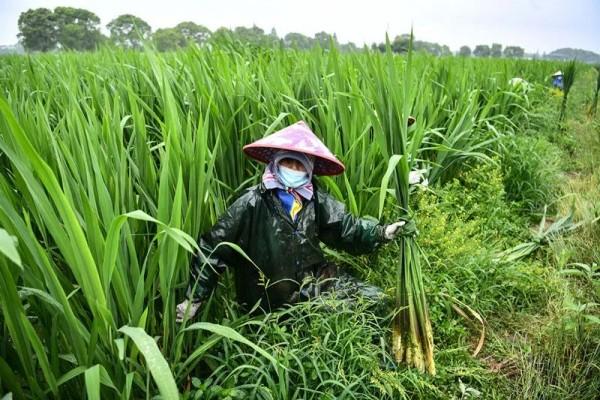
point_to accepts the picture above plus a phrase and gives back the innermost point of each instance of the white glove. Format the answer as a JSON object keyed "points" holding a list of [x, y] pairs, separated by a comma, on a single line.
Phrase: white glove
{"points": [[418, 177], [393, 229], [190, 307]]}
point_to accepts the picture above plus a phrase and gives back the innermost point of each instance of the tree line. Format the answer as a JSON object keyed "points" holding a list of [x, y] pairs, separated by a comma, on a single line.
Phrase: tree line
{"points": [[42, 29], [401, 42], [495, 50]]}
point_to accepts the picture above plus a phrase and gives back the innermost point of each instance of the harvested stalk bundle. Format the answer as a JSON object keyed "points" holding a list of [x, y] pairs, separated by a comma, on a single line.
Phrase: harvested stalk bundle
{"points": [[412, 337], [568, 79]]}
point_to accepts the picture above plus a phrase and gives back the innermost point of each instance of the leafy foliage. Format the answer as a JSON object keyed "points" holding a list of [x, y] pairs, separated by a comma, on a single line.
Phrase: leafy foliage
{"points": [[128, 31], [37, 29], [77, 28], [69, 28], [193, 32], [168, 39]]}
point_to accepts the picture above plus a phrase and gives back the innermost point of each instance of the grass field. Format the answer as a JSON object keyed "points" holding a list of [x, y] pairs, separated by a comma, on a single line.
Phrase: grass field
{"points": [[114, 162]]}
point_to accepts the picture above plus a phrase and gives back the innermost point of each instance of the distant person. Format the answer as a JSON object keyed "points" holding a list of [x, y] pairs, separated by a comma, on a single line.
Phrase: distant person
{"points": [[279, 224], [557, 80]]}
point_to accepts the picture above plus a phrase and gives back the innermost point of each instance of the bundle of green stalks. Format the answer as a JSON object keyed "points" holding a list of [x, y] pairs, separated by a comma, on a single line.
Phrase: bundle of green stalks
{"points": [[412, 336], [568, 78]]}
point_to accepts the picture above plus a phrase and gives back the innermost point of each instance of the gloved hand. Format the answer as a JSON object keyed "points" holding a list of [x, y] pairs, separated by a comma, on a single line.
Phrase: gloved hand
{"points": [[392, 230], [191, 307]]}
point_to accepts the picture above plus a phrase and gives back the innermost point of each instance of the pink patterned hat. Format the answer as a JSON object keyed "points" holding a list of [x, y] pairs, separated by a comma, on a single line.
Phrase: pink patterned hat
{"points": [[296, 137]]}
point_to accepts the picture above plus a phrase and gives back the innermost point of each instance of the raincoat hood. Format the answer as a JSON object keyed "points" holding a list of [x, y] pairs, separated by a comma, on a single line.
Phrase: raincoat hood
{"points": [[297, 137]]}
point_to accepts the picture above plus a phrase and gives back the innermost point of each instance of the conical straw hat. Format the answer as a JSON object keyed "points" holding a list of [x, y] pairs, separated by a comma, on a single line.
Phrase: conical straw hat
{"points": [[296, 137]]}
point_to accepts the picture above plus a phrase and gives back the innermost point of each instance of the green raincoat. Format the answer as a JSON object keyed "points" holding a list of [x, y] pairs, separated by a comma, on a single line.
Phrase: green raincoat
{"points": [[286, 254]]}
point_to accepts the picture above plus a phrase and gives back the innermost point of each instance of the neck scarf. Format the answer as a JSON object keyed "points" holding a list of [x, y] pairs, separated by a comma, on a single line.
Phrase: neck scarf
{"points": [[291, 202]]}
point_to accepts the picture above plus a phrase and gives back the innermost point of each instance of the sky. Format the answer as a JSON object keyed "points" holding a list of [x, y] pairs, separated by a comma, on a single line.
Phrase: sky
{"points": [[538, 26]]}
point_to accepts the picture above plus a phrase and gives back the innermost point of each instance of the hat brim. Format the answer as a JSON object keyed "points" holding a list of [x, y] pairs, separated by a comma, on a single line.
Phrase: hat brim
{"points": [[323, 165]]}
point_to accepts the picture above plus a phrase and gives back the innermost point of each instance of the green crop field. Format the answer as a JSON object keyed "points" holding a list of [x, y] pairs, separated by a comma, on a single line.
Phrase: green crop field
{"points": [[114, 162]]}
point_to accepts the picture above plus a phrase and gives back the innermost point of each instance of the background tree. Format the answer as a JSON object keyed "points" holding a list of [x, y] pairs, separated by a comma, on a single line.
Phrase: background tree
{"points": [[481, 50], [77, 29], [37, 29], [272, 39], [322, 38], [400, 43], [168, 39], [128, 31], [191, 31], [350, 46], [514, 52], [298, 40], [222, 35], [496, 50], [252, 36], [465, 51]]}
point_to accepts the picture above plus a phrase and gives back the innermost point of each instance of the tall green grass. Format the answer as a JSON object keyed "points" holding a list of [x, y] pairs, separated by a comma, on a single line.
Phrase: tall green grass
{"points": [[114, 162]]}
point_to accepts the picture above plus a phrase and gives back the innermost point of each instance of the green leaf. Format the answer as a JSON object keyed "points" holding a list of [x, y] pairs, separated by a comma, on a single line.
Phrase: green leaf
{"points": [[27, 291], [158, 366], [392, 163], [120, 343], [92, 382], [72, 373], [593, 319], [275, 123], [8, 247], [139, 214], [229, 333], [184, 240], [351, 198]]}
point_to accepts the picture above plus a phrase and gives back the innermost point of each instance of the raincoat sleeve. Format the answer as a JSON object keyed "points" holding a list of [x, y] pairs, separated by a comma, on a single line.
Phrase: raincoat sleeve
{"points": [[341, 230], [208, 264]]}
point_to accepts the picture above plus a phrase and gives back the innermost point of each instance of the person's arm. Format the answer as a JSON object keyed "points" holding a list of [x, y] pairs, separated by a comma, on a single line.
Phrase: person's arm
{"points": [[207, 265], [342, 230]]}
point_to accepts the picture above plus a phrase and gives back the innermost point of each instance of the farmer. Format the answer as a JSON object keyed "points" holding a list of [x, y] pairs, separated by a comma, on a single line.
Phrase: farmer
{"points": [[557, 80], [279, 224]]}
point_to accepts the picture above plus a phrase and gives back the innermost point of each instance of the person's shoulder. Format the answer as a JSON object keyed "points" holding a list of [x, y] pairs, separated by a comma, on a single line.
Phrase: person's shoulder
{"points": [[320, 192], [250, 196]]}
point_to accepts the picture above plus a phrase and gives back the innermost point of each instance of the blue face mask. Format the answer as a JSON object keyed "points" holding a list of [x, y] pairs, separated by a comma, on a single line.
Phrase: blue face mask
{"points": [[292, 178]]}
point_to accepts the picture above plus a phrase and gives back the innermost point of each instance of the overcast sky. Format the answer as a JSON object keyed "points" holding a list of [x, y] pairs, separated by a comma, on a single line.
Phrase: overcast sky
{"points": [[534, 24]]}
